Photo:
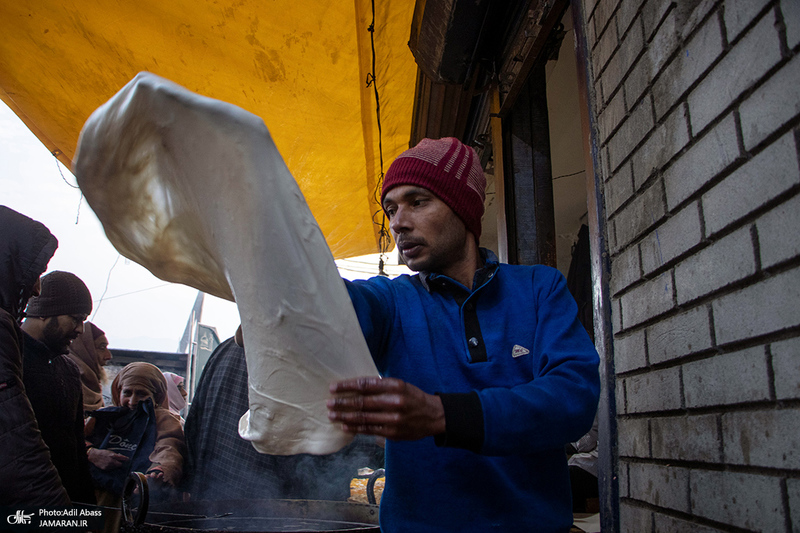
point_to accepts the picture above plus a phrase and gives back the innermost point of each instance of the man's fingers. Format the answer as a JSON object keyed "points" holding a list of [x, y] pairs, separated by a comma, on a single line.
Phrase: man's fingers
{"points": [[351, 403], [366, 430], [361, 418], [369, 385], [374, 402]]}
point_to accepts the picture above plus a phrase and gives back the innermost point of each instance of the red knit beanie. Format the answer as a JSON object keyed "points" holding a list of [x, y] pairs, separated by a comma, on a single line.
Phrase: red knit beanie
{"points": [[449, 169]]}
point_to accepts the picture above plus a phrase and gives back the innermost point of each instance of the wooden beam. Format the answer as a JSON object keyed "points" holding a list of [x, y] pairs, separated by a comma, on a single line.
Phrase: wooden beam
{"points": [[499, 180], [523, 51], [528, 175]]}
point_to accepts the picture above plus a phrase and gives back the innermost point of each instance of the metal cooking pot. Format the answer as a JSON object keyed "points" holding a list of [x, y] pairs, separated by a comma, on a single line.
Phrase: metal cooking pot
{"points": [[265, 516]]}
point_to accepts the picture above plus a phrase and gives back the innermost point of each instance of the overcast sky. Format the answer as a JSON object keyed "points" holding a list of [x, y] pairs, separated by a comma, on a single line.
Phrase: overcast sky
{"points": [[134, 308]]}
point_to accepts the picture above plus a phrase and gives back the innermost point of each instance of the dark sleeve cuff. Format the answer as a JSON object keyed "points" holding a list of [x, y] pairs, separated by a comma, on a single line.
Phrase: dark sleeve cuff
{"points": [[463, 415]]}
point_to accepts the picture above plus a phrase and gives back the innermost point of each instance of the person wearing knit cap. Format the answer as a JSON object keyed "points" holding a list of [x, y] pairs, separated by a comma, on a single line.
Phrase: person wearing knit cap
{"points": [[54, 318], [27, 472], [90, 352], [486, 370]]}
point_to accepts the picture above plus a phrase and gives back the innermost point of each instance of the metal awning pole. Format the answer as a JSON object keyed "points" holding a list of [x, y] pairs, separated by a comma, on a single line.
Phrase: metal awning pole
{"points": [[191, 358]]}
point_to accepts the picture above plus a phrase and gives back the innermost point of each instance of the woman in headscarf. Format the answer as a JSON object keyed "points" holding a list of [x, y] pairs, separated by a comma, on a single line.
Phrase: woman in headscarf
{"points": [[138, 433], [176, 393], [135, 383], [90, 352]]}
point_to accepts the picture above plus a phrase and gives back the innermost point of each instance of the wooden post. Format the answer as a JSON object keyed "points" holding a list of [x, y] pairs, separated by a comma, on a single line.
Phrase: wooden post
{"points": [[499, 180], [529, 177]]}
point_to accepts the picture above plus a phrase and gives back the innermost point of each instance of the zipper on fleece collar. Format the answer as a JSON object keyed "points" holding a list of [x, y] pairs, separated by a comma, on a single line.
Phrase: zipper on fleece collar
{"points": [[481, 277]]}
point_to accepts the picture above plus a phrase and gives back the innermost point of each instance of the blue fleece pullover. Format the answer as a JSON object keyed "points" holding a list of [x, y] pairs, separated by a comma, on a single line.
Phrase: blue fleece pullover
{"points": [[518, 377]]}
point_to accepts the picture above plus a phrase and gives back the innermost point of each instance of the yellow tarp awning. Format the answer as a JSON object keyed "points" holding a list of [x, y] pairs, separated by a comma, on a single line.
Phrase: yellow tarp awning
{"points": [[301, 65]]}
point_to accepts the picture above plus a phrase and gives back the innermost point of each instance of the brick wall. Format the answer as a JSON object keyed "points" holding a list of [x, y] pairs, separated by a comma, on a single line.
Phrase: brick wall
{"points": [[698, 128]]}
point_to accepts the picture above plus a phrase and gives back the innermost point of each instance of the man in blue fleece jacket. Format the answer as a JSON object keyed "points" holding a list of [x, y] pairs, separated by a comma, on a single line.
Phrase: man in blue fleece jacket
{"points": [[487, 372]]}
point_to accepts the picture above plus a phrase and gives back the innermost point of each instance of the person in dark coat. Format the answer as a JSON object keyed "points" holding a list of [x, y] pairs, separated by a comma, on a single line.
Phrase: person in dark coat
{"points": [[27, 474], [53, 381]]}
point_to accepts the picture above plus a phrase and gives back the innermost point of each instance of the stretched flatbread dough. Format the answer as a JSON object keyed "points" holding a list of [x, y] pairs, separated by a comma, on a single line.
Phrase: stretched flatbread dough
{"points": [[195, 190]]}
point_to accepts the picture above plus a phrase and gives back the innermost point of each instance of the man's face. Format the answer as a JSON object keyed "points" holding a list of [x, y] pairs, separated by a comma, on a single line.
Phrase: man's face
{"points": [[60, 330], [101, 347], [429, 235]]}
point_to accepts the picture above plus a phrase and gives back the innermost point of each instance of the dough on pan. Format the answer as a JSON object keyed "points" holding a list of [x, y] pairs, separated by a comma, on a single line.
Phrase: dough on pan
{"points": [[195, 190]]}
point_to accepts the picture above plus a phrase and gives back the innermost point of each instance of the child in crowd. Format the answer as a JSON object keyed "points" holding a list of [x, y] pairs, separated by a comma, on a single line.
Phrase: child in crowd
{"points": [[138, 434]]}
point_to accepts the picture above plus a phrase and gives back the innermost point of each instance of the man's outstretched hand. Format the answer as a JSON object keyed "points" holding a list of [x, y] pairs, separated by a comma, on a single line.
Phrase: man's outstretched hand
{"points": [[385, 407]]}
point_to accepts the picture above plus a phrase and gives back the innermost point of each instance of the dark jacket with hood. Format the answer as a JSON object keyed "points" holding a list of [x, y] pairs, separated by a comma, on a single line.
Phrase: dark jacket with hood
{"points": [[27, 474]]}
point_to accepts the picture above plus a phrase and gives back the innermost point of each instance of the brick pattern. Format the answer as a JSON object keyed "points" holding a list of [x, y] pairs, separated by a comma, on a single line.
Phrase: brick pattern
{"points": [[679, 335], [759, 309], [790, 9], [719, 89], [778, 235], [629, 352], [740, 13], [634, 437], [654, 391], [748, 501], [746, 190], [672, 239], [762, 438], [662, 486], [727, 379], [635, 519], [693, 61], [698, 113], [772, 105], [793, 488], [707, 158], [668, 524], [662, 145], [723, 262], [686, 438], [786, 366]]}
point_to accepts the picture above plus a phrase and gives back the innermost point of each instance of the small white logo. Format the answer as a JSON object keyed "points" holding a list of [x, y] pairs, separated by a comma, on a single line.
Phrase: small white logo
{"points": [[20, 518], [519, 350]]}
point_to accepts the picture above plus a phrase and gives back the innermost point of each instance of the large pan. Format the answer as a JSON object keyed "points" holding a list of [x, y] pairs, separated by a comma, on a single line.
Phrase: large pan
{"points": [[265, 516]]}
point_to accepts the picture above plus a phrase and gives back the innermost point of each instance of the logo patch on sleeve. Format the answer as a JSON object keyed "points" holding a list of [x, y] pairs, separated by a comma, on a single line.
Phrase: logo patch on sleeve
{"points": [[519, 350]]}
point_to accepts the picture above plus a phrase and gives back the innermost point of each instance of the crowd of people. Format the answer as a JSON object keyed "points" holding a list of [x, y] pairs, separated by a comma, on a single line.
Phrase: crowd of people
{"points": [[84, 442], [487, 376], [62, 441]]}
